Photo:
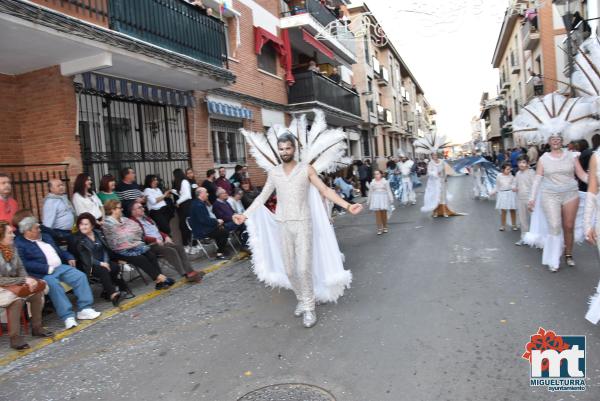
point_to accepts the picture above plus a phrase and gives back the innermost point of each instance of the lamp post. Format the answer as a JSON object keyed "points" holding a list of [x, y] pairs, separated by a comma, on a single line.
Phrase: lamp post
{"points": [[564, 9]]}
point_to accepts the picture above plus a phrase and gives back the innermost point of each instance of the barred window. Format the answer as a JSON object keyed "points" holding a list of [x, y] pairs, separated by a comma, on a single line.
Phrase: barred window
{"points": [[229, 146]]}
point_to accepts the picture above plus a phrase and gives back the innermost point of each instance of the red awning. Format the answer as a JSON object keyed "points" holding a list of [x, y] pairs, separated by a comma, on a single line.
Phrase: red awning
{"points": [[311, 40], [282, 47], [262, 36]]}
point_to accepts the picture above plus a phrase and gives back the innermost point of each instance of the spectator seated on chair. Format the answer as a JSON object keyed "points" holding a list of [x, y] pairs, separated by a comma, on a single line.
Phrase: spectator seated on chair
{"points": [[236, 201], [223, 211], [125, 238], [12, 273], [162, 245], [94, 258], [43, 259], [205, 225], [250, 193], [58, 212]]}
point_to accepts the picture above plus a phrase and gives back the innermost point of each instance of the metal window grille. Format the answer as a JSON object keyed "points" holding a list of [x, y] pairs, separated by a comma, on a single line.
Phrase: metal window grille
{"points": [[229, 146], [115, 133]]}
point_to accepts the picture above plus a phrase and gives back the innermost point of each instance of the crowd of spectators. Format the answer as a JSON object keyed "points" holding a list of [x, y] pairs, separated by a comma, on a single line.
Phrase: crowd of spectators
{"points": [[90, 237]]}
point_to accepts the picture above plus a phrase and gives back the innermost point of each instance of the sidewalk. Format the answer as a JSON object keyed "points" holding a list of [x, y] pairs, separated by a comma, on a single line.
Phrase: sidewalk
{"points": [[143, 294]]}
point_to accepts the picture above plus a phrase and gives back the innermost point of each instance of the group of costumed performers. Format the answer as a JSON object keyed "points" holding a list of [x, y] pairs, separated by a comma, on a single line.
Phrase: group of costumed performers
{"points": [[436, 195], [402, 177], [296, 248]]}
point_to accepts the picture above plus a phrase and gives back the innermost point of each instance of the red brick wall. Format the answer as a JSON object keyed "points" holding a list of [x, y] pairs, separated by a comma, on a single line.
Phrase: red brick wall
{"points": [[78, 12], [43, 113], [250, 80], [10, 150], [548, 48]]}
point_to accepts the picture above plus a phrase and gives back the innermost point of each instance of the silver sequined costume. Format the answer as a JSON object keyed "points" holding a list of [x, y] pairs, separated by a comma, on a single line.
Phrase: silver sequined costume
{"points": [[293, 216]]}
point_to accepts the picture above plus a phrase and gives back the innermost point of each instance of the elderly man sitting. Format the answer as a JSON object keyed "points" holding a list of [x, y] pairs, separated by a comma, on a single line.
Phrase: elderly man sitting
{"points": [[204, 223], [43, 259], [163, 245], [58, 212], [224, 211]]}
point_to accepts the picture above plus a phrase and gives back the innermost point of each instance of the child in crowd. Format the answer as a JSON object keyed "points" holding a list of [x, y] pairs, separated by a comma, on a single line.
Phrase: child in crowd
{"points": [[506, 197], [523, 183]]}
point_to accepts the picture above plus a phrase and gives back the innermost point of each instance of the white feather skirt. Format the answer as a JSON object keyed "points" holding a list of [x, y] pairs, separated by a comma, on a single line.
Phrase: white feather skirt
{"points": [[329, 277], [579, 231], [593, 313], [506, 200], [538, 227]]}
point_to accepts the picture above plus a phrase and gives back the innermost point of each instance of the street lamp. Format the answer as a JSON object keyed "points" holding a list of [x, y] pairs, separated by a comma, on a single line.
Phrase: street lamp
{"points": [[564, 9]]}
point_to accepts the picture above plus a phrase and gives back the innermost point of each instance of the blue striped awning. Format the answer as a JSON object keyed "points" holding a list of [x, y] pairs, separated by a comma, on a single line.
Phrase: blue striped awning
{"points": [[137, 90], [228, 110]]}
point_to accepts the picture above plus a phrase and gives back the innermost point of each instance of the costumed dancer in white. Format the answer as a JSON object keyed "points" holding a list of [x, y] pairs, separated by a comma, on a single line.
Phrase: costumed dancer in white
{"points": [[479, 187], [297, 249], [436, 195], [548, 119], [523, 183], [506, 197], [380, 200], [592, 228], [406, 181]]}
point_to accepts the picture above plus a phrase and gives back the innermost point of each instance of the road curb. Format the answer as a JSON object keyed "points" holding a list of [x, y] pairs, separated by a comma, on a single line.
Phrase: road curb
{"points": [[138, 300]]}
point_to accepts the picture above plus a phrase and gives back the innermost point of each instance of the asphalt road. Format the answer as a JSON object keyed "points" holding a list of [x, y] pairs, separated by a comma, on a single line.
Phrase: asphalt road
{"points": [[438, 310]]}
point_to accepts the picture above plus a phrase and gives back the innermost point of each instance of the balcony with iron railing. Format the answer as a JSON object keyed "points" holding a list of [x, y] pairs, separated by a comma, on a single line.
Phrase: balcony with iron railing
{"points": [[174, 25], [322, 21], [312, 87]]}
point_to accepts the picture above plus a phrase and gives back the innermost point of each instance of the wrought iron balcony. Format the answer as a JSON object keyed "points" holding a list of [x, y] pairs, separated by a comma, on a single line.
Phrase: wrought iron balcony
{"points": [[312, 7], [530, 35], [313, 87], [171, 24]]}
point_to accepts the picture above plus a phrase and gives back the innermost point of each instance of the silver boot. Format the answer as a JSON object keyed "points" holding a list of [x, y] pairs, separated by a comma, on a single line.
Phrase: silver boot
{"points": [[310, 319], [299, 311]]}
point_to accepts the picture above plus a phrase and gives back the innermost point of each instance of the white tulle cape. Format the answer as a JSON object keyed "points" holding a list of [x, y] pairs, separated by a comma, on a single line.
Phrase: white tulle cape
{"points": [[329, 277]]}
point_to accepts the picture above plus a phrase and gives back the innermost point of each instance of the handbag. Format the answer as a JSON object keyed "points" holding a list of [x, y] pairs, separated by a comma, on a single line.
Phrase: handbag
{"points": [[23, 291]]}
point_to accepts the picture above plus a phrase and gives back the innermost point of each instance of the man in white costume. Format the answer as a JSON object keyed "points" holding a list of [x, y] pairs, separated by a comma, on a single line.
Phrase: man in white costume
{"points": [[292, 180], [408, 194]]}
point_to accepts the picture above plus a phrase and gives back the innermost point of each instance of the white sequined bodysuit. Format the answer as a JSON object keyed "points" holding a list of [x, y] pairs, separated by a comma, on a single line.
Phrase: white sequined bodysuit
{"points": [[295, 225]]}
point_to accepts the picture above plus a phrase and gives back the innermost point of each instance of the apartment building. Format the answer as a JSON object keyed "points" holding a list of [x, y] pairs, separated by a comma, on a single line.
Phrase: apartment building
{"points": [[532, 53], [94, 86], [393, 108]]}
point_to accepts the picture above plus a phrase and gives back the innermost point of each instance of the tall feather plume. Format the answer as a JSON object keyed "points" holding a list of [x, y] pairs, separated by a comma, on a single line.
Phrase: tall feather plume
{"points": [[430, 143], [554, 114], [586, 77], [262, 147], [323, 148]]}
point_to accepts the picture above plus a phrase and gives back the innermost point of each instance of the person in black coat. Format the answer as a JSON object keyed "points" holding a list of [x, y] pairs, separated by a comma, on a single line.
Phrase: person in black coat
{"points": [[94, 257], [204, 224]]}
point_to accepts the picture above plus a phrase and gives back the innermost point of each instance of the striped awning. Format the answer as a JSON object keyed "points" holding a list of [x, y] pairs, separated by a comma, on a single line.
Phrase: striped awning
{"points": [[137, 90], [228, 110]]}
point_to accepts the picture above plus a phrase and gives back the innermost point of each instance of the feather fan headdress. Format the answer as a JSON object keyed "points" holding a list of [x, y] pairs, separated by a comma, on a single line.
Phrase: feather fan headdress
{"points": [[430, 143], [586, 76], [320, 147], [555, 115]]}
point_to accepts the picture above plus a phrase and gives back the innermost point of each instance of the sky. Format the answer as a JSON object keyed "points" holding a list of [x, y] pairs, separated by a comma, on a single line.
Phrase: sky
{"points": [[448, 46]]}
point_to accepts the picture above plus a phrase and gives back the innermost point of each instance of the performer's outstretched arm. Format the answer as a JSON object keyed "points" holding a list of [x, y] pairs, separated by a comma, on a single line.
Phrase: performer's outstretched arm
{"points": [[330, 194], [258, 201]]}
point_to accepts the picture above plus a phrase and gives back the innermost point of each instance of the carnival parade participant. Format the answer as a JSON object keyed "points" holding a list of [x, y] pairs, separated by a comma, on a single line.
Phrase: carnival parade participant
{"points": [[506, 199], [380, 200], [297, 248]]}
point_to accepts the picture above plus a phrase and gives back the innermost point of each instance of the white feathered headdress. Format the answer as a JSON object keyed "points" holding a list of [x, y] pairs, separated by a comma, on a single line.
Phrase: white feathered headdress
{"points": [[555, 115], [430, 143], [320, 147], [586, 76]]}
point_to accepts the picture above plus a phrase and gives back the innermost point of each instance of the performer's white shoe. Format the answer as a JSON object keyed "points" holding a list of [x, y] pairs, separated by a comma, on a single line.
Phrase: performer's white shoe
{"points": [[310, 318], [299, 311]]}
